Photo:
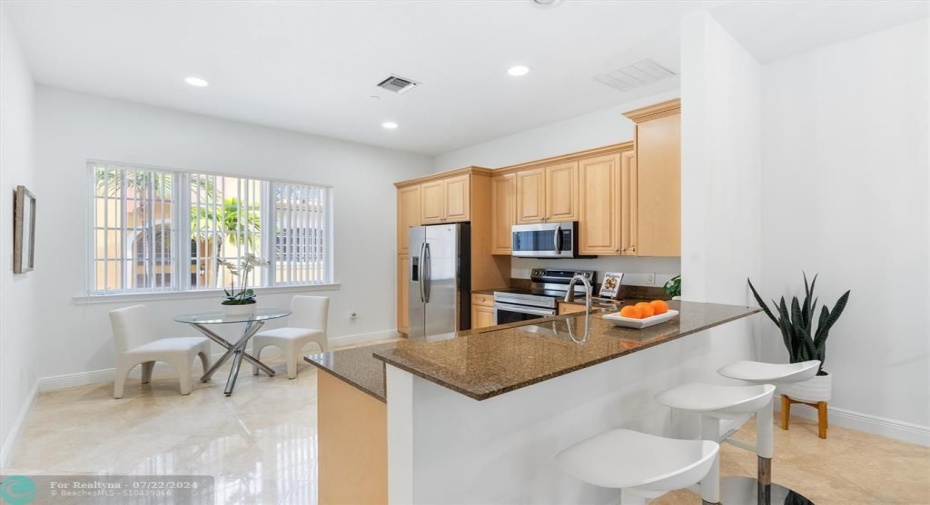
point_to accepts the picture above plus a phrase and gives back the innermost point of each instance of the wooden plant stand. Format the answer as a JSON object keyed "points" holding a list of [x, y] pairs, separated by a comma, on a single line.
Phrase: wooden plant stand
{"points": [[821, 414]]}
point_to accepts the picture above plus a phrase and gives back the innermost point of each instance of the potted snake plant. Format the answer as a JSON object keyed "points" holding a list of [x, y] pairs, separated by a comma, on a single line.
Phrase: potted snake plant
{"points": [[803, 341]]}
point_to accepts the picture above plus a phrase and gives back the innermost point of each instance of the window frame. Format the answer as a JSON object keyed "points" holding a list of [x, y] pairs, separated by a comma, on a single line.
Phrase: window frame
{"points": [[181, 286]]}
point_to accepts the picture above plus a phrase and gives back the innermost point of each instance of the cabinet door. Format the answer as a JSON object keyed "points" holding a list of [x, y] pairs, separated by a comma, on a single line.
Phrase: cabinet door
{"points": [[628, 218], [431, 202], [408, 214], [599, 224], [658, 187], [503, 211], [562, 192], [455, 199], [531, 196], [403, 290], [482, 317]]}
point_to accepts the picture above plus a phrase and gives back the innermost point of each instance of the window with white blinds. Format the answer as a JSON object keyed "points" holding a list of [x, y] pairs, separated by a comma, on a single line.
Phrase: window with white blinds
{"points": [[161, 230]]}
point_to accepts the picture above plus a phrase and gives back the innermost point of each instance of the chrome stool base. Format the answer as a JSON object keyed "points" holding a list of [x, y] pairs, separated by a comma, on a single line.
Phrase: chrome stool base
{"points": [[749, 491]]}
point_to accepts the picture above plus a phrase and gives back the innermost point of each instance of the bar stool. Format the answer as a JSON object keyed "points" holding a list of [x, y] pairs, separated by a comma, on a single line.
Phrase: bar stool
{"points": [[644, 466], [757, 372], [714, 402]]}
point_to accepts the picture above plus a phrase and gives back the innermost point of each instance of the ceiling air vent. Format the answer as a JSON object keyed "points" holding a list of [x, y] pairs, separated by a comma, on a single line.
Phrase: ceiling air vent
{"points": [[638, 74], [398, 84]]}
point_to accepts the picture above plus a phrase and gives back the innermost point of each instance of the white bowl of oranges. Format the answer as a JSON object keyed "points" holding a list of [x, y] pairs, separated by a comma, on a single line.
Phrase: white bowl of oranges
{"points": [[642, 315]]}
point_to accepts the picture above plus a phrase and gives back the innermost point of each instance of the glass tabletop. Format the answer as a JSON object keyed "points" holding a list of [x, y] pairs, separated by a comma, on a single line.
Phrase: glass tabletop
{"points": [[222, 318]]}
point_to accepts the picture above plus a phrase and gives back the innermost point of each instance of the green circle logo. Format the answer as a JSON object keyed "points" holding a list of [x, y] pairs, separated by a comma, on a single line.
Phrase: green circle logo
{"points": [[18, 490]]}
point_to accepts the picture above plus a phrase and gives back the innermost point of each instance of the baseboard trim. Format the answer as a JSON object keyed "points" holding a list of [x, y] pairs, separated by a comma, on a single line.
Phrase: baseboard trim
{"points": [[12, 438], [898, 430], [163, 370], [361, 338]]}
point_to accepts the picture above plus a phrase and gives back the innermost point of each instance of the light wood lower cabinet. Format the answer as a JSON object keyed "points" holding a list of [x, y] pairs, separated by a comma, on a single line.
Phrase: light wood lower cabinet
{"points": [[570, 308], [482, 310], [403, 291]]}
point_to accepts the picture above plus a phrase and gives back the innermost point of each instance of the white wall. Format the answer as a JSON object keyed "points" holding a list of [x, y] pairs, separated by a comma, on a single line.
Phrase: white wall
{"points": [[18, 292], [721, 149], [71, 127], [598, 129], [845, 195]]}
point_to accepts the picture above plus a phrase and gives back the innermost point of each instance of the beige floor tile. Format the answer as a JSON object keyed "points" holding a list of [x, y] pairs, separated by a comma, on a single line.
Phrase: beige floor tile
{"points": [[260, 443]]}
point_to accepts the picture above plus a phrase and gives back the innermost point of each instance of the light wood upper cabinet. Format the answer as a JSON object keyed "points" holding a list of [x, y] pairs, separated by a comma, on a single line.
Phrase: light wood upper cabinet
{"points": [[455, 195], [562, 192], [628, 214], [408, 214], [445, 200], [431, 204], [601, 211], [547, 193], [503, 213], [531, 196], [658, 179]]}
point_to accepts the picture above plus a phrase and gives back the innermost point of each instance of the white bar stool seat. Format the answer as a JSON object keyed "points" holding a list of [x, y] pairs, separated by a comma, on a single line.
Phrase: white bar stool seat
{"points": [[717, 401], [643, 466], [770, 373]]}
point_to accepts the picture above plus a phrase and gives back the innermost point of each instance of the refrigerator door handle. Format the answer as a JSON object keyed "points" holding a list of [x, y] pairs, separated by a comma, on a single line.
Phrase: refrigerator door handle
{"points": [[422, 267], [426, 274]]}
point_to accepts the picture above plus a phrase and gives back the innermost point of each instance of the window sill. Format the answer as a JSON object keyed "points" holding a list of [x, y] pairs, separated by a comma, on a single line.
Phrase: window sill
{"points": [[186, 295]]}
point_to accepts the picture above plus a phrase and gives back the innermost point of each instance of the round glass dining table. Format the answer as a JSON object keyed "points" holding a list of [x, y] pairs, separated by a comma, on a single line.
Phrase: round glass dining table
{"points": [[235, 350]]}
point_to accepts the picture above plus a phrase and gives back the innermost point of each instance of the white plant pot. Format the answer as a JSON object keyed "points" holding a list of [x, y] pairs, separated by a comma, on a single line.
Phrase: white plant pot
{"points": [[239, 310], [818, 388]]}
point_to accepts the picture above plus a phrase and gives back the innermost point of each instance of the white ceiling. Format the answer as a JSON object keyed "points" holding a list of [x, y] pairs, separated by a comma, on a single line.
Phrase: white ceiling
{"points": [[312, 66]]}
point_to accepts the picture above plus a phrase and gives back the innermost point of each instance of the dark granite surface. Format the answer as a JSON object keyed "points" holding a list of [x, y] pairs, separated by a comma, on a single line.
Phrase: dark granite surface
{"points": [[487, 362]]}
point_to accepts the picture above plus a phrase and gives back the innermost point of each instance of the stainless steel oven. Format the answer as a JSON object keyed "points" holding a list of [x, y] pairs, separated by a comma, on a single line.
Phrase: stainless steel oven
{"points": [[545, 240], [540, 300], [516, 307]]}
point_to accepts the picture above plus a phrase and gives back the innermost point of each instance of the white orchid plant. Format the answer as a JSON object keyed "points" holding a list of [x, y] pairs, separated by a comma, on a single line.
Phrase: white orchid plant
{"points": [[240, 269]]}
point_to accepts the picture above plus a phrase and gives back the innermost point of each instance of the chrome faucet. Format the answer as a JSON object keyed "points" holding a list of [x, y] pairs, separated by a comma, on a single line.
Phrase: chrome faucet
{"points": [[570, 295]]}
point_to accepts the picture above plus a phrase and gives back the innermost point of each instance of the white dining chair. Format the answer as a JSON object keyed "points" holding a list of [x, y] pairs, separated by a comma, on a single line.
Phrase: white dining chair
{"points": [[307, 324], [136, 344]]}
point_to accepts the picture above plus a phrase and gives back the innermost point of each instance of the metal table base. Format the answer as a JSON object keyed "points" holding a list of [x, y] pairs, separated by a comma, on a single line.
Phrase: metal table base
{"points": [[236, 351]]}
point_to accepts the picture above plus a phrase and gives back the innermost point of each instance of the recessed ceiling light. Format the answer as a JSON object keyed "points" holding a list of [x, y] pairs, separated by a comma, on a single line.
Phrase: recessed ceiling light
{"points": [[197, 81], [518, 70], [547, 2], [390, 125]]}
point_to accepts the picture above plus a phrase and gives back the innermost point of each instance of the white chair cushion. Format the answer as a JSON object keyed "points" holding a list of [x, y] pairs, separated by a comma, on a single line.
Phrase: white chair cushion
{"points": [[716, 399], [178, 344], [630, 459], [288, 333], [770, 373]]}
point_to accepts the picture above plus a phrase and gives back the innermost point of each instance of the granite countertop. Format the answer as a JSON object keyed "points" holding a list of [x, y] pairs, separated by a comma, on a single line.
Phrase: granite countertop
{"points": [[493, 361], [488, 362]]}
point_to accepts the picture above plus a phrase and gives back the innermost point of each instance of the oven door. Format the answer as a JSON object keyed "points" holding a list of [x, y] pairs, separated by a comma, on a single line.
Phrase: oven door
{"points": [[510, 313]]}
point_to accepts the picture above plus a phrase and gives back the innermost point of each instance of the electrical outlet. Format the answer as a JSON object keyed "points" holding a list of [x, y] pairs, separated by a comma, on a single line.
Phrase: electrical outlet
{"points": [[651, 279]]}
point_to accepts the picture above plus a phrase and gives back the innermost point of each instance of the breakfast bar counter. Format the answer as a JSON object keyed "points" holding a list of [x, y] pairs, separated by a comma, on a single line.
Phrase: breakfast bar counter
{"points": [[478, 416]]}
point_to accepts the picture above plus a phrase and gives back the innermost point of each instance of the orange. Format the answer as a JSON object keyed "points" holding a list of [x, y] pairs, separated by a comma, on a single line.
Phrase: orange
{"points": [[632, 312], [646, 309], [659, 306]]}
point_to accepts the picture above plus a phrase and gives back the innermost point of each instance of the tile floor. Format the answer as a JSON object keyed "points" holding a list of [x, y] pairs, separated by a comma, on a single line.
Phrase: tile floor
{"points": [[260, 443]]}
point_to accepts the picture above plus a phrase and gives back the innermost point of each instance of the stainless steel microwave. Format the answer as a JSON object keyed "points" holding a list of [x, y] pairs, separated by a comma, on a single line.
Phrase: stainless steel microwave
{"points": [[545, 240]]}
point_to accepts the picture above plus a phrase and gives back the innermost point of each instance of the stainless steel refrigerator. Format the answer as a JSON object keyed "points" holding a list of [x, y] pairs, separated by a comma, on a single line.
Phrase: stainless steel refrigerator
{"points": [[440, 300]]}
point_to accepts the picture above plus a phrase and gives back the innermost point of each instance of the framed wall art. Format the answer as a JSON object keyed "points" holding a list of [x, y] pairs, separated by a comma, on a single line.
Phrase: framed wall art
{"points": [[24, 230]]}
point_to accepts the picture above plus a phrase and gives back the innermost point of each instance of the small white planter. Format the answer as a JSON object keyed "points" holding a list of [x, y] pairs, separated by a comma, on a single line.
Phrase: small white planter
{"points": [[239, 310], [818, 388]]}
